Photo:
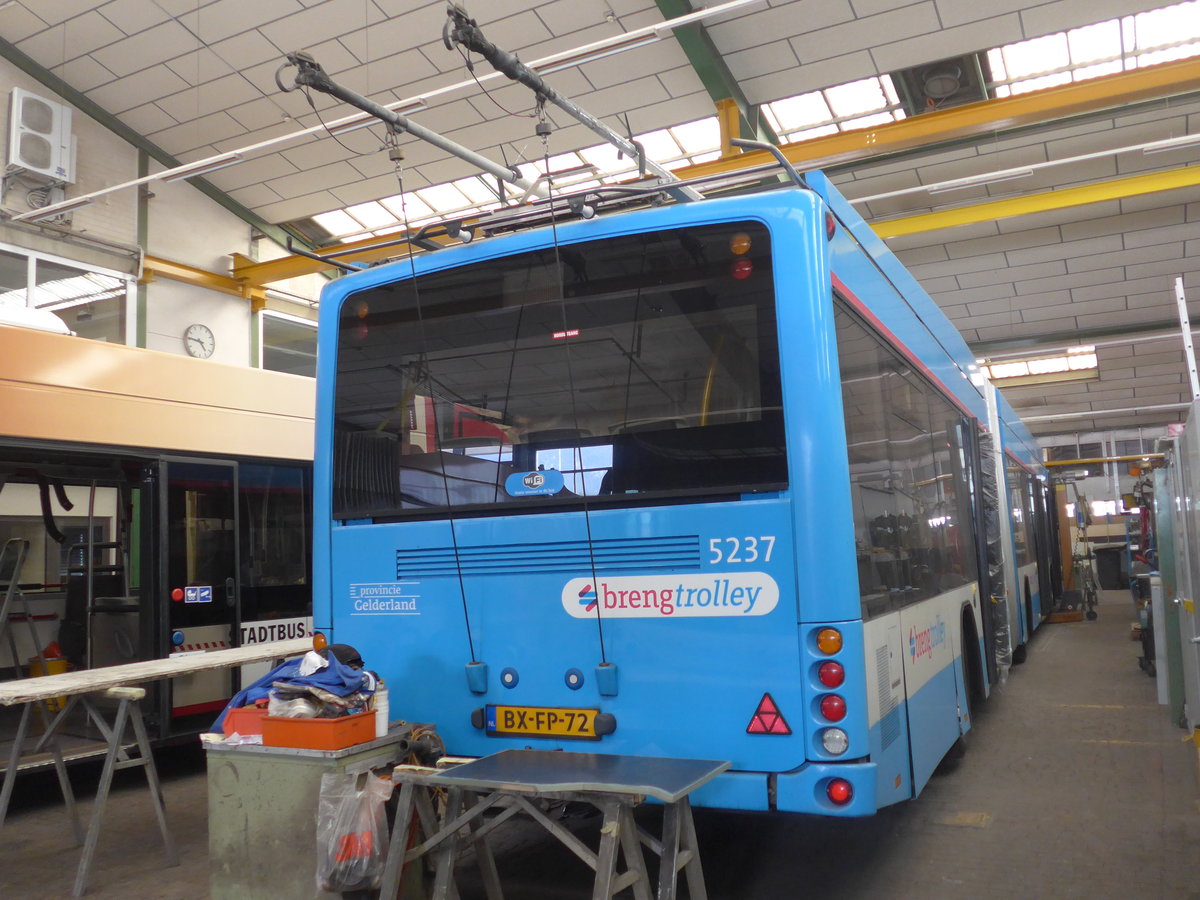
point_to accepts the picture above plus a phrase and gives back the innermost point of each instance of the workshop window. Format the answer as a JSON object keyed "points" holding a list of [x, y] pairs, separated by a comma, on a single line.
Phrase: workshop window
{"points": [[92, 303], [289, 344]]}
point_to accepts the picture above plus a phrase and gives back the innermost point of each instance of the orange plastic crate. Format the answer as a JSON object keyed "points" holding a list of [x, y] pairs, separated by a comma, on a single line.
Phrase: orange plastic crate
{"points": [[319, 734], [244, 720]]}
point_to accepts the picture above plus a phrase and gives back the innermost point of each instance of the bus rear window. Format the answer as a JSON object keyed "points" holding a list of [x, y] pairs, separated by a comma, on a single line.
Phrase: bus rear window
{"points": [[623, 369]]}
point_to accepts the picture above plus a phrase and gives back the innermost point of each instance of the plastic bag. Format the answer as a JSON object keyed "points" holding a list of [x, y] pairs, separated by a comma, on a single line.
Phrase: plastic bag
{"points": [[352, 831]]}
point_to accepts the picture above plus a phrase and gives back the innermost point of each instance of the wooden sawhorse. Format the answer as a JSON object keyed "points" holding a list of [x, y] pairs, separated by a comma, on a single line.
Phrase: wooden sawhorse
{"points": [[613, 784]]}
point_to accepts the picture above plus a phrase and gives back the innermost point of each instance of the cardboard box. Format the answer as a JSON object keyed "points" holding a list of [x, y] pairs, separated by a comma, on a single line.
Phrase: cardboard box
{"points": [[319, 734]]}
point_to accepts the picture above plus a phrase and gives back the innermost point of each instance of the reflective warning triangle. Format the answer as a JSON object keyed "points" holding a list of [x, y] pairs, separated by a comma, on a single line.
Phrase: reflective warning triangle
{"points": [[767, 718]]}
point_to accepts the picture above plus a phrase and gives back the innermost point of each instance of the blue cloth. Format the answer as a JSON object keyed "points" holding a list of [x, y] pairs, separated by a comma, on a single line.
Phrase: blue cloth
{"points": [[337, 678]]}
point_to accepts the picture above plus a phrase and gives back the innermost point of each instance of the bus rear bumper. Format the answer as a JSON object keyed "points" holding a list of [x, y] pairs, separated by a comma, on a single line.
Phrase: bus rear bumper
{"points": [[802, 790]]}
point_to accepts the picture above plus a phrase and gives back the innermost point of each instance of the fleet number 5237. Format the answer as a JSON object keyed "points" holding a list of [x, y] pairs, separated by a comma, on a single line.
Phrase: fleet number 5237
{"points": [[741, 549]]}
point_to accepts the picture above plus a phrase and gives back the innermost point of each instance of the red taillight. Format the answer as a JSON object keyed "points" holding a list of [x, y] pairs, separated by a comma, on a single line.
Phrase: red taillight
{"points": [[831, 674], [830, 225], [840, 791], [833, 707], [741, 269]]}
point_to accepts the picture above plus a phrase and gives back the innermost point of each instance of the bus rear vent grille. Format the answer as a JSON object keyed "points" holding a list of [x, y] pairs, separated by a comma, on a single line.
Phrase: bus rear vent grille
{"points": [[643, 555], [889, 708]]}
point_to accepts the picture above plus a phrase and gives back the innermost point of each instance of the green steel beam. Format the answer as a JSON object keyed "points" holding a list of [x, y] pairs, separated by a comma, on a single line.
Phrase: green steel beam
{"points": [[143, 239], [77, 99], [714, 72]]}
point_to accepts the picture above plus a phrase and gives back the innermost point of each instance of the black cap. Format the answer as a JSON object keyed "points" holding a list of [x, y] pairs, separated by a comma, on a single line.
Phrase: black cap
{"points": [[343, 653]]}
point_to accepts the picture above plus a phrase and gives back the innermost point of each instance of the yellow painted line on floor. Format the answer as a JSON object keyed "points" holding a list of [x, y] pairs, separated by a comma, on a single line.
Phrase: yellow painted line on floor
{"points": [[1132, 743], [965, 820]]}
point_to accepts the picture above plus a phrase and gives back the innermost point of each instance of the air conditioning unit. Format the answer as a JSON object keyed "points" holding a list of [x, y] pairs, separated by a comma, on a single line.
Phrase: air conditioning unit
{"points": [[39, 137]]}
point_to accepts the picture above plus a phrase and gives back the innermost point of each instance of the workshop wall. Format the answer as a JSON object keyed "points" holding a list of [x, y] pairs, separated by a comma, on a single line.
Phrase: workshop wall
{"points": [[183, 226]]}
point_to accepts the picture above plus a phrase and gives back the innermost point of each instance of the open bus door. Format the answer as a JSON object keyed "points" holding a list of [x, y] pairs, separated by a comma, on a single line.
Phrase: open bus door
{"points": [[199, 576]]}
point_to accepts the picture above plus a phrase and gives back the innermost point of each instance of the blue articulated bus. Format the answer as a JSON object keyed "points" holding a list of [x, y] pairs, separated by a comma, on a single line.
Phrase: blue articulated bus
{"points": [[695, 480]]}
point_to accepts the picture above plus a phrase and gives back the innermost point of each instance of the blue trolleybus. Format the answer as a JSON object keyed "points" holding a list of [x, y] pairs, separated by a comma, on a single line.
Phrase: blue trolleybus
{"points": [[703, 479]]}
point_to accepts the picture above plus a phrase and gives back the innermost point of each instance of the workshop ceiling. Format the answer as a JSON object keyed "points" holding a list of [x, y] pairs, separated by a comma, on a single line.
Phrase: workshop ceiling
{"points": [[197, 78]]}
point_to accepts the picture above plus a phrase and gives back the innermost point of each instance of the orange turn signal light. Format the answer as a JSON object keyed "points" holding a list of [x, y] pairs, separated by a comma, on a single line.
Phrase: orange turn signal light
{"points": [[829, 641]]}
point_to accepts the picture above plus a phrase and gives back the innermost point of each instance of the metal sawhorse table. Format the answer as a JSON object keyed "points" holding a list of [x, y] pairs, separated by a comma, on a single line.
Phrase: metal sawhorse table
{"points": [[112, 683], [613, 784]]}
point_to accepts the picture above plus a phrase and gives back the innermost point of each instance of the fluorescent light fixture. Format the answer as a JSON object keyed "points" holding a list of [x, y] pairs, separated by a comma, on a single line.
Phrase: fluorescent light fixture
{"points": [[363, 121], [366, 120], [202, 167], [57, 209], [979, 180], [600, 53], [1186, 140]]}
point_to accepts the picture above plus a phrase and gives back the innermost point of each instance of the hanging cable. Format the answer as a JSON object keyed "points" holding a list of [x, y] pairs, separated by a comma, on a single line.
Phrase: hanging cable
{"points": [[543, 131], [428, 369], [317, 113], [471, 71]]}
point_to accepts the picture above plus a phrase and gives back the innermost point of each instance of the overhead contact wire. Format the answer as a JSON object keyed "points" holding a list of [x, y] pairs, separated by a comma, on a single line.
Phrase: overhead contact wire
{"points": [[562, 296], [412, 266]]}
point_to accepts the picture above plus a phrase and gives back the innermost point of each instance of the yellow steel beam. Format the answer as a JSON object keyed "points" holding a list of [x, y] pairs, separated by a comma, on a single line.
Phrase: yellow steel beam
{"points": [[729, 118], [971, 120], [1102, 459], [247, 271], [1045, 201], [153, 267], [975, 119]]}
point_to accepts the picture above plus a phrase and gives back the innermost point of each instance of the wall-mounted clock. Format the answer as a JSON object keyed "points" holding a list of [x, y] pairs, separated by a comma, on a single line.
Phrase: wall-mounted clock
{"points": [[199, 342]]}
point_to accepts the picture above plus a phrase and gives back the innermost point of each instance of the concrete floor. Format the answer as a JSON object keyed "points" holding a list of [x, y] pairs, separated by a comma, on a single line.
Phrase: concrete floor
{"points": [[1075, 784]]}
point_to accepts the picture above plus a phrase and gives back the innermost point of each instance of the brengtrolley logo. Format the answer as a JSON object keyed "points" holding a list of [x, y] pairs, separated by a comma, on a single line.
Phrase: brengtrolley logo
{"points": [[656, 596], [922, 643]]}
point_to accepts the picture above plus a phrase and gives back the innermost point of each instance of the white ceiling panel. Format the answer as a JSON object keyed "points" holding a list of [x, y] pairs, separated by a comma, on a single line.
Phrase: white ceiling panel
{"points": [[73, 38], [137, 89]]}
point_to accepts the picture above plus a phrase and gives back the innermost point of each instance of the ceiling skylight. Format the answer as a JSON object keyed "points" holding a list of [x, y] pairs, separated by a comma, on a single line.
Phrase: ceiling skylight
{"points": [[1076, 364], [679, 145], [859, 104], [1116, 45]]}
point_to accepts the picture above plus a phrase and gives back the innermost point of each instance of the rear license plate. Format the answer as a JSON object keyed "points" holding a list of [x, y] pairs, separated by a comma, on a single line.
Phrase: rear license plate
{"points": [[542, 721]]}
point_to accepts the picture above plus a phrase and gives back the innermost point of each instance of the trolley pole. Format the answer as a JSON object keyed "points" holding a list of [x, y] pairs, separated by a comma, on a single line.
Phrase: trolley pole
{"points": [[310, 74], [462, 30]]}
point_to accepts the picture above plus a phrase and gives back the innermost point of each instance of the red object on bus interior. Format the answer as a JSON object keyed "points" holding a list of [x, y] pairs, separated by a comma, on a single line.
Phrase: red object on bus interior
{"points": [[177, 595], [767, 719]]}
